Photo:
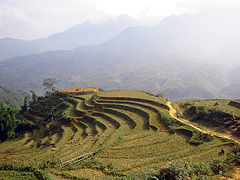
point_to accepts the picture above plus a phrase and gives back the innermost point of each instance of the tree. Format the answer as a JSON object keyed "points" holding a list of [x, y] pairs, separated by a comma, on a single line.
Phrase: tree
{"points": [[34, 96], [49, 85], [8, 122], [24, 107]]}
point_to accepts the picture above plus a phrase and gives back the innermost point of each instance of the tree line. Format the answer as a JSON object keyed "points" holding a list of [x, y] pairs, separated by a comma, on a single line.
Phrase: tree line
{"points": [[9, 119]]}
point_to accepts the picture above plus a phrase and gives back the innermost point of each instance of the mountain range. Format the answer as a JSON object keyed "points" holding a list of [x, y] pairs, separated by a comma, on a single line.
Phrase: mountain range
{"points": [[183, 57], [86, 33]]}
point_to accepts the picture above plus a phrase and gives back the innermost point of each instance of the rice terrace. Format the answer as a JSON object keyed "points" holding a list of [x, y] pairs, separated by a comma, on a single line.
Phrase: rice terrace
{"points": [[89, 133]]}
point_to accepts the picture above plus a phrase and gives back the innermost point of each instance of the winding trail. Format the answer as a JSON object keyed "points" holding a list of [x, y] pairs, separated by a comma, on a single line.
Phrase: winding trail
{"points": [[172, 113]]}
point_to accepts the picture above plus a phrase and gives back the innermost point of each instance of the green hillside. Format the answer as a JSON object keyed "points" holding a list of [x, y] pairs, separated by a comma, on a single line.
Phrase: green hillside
{"points": [[111, 135], [218, 114]]}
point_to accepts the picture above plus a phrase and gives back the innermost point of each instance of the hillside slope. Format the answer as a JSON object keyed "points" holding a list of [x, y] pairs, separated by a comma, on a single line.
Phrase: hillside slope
{"points": [[182, 57], [107, 134], [173, 113], [219, 115], [110, 68], [12, 98]]}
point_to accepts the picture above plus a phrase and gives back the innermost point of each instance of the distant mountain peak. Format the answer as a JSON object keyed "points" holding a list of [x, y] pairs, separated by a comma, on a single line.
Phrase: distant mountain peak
{"points": [[8, 39], [173, 19], [125, 17], [85, 23]]}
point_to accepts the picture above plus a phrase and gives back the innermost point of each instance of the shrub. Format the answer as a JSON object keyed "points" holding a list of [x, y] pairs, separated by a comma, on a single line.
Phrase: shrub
{"points": [[193, 170], [170, 122], [197, 169], [200, 114], [199, 138], [38, 173], [172, 172], [202, 108], [70, 176], [39, 144], [234, 156], [50, 103], [218, 166]]}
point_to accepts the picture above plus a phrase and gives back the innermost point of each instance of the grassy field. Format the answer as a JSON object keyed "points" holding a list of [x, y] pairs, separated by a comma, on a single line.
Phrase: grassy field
{"points": [[107, 135]]}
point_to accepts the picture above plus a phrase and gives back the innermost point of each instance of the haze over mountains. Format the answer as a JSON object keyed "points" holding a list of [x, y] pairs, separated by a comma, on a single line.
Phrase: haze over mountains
{"points": [[183, 57], [78, 35]]}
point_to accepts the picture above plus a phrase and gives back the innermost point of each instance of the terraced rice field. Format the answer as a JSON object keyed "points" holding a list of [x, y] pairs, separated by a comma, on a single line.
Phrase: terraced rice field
{"points": [[122, 130]]}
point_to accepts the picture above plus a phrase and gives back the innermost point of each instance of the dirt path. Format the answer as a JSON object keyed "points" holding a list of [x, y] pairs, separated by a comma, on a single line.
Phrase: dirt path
{"points": [[236, 175], [172, 113]]}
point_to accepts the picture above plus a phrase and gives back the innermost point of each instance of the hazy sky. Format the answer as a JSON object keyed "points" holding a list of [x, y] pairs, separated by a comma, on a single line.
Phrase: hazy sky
{"points": [[31, 19]]}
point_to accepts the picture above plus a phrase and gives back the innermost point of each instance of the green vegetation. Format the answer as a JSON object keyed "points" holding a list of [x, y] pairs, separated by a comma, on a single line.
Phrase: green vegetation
{"points": [[212, 116], [50, 104], [199, 138], [221, 115], [8, 122], [200, 170], [30, 171]]}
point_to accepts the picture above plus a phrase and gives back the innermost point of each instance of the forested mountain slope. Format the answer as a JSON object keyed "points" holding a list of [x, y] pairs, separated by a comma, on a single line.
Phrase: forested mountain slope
{"points": [[12, 98]]}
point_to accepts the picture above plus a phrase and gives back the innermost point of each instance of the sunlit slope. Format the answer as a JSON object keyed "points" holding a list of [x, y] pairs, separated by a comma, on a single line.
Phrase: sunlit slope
{"points": [[107, 134], [222, 116], [80, 90]]}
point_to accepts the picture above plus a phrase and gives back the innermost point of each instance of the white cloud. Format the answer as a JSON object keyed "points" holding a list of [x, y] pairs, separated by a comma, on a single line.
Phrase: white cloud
{"points": [[137, 8], [30, 19], [153, 8], [193, 6], [37, 18]]}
